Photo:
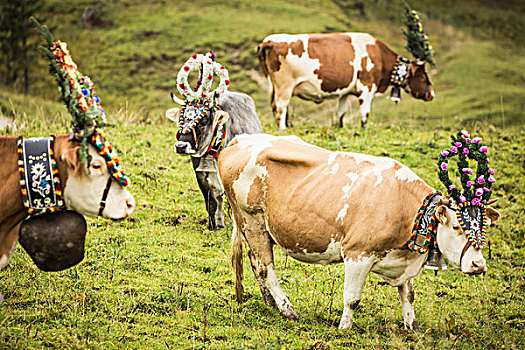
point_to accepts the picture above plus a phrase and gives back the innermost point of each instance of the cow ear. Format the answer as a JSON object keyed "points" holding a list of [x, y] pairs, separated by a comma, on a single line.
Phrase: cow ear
{"points": [[71, 158], [220, 117], [441, 214], [492, 214], [173, 114]]}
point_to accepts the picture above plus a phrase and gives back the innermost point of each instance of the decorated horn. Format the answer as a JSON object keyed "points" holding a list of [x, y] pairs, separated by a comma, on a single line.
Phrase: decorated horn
{"points": [[176, 99]]}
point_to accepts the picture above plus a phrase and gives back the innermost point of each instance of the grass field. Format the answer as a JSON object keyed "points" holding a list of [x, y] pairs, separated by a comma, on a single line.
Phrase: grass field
{"points": [[162, 280]]}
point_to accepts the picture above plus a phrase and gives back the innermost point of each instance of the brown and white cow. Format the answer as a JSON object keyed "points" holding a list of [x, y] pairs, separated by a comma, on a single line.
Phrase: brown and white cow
{"points": [[330, 207], [316, 67], [82, 189]]}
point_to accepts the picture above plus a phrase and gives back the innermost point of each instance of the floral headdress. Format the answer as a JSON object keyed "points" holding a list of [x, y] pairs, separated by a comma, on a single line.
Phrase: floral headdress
{"points": [[78, 93], [417, 41], [199, 100], [475, 192]]}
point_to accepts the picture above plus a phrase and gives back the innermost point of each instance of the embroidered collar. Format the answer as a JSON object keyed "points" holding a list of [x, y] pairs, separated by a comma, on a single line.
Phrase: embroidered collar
{"points": [[400, 72], [217, 143], [425, 224], [41, 188]]}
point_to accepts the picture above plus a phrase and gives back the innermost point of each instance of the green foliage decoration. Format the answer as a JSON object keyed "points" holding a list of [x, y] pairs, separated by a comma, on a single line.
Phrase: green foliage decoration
{"points": [[418, 42]]}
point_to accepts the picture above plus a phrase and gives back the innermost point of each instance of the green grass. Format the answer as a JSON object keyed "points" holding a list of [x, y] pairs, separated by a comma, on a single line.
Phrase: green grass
{"points": [[162, 280]]}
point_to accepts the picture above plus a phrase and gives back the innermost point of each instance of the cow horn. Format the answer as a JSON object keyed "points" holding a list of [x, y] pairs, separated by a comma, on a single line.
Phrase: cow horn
{"points": [[421, 62], [491, 201], [176, 99]]}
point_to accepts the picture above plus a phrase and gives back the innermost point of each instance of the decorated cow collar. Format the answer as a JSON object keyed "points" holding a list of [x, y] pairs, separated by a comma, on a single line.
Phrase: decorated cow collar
{"points": [[201, 101], [425, 226], [476, 187], [401, 72], [39, 181], [78, 93]]}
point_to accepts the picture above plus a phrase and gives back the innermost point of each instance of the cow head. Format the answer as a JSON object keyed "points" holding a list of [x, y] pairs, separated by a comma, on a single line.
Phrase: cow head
{"points": [[454, 243], [419, 83], [84, 187], [197, 126], [200, 119]]}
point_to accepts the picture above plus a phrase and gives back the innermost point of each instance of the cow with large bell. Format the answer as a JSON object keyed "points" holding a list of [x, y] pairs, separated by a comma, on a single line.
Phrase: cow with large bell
{"points": [[316, 67], [371, 213], [209, 119], [45, 176]]}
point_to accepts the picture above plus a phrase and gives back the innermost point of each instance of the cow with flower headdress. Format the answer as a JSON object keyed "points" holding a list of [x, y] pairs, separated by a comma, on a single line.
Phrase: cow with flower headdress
{"points": [[208, 119], [371, 213], [55, 180]]}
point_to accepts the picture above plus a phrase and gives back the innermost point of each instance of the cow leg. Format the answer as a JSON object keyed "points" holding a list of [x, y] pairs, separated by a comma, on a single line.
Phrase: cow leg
{"points": [[342, 108], [211, 189], [280, 103], [365, 102], [261, 258], [355, 277], [406, 293]]}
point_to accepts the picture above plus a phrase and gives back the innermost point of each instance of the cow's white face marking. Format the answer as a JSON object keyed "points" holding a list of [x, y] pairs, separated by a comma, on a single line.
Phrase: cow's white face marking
{"points": [[83, 192], [451, 243]]}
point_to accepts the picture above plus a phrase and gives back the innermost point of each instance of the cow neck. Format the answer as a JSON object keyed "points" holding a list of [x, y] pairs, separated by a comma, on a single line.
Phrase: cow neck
{"points": [[39, 181], [400, 73]]}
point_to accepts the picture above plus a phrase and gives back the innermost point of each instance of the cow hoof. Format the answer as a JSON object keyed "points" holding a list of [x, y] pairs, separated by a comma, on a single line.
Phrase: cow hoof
{"points": [[363, 125], [291, 314]]}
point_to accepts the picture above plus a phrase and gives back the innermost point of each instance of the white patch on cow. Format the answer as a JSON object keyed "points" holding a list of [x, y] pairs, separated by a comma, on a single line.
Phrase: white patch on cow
{"points": [[3, 261], [342, 213], [352, 176], [380, 164], [254, 144], [356, 272], [369, 64], [398, 266], [331, 255], [332, 170], [405, 174], [287, 38], [359, 42]]}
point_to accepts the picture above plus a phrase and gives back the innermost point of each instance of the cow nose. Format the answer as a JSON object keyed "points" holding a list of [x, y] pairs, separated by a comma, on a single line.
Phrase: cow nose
{"points": [[182, 147], [478, 266], [130, 206], [430, 96]]}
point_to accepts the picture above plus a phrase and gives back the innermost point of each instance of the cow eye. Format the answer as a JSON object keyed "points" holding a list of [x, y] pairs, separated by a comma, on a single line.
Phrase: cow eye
{"points": [[96, 166], [456, 227]]}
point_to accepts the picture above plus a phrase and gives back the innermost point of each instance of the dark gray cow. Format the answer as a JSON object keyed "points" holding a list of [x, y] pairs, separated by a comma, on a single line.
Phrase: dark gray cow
{"points": [[237, 114]]}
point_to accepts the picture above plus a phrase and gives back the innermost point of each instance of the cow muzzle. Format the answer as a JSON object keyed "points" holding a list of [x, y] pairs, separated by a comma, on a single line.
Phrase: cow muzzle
{"points": [[183, 147]]}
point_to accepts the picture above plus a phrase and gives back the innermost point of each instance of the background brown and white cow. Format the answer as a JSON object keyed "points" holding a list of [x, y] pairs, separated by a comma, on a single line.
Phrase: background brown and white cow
{"points": [[82, 189], [316, 67], [329, 207]]}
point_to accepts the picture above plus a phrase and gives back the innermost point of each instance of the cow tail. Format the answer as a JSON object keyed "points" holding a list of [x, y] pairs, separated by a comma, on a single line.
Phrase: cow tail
{"points": [[262, 53], [236, 258]]}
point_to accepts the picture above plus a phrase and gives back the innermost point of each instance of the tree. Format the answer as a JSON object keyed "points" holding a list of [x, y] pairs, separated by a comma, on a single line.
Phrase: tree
{"points": [[17, 41]]}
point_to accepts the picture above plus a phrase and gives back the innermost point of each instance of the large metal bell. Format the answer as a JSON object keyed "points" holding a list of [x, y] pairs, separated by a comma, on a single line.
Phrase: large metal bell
{"points": [[395, 94], [207, 164], [54, 241], [435, 260]]}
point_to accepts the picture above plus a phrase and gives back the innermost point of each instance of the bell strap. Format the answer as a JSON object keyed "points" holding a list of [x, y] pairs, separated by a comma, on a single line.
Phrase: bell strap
{"points": [[39, 181]]}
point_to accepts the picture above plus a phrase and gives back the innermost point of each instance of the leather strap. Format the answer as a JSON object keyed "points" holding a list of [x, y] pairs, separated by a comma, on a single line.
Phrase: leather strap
{"points": [[105, 196]]}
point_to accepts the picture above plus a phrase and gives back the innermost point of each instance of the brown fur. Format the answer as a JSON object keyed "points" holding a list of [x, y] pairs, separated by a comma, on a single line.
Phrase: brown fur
{"points": [[334, 52], [271, 53]]}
